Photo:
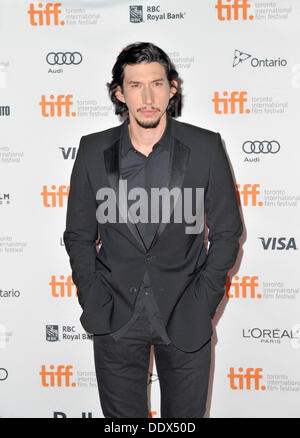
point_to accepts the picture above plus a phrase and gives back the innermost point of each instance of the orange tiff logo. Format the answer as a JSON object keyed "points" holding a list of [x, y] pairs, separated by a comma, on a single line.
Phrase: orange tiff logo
{"points": [[57, 107], [244, 288], [60, 377], [61, 288], [248, 195], [246, 380], [235, 102], [238, 7], [43, 13], [152, 414], [50, 198]]}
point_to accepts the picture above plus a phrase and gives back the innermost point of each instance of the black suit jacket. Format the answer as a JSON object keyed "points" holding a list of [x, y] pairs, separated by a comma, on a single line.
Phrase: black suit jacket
{"points": [[188, 283]]}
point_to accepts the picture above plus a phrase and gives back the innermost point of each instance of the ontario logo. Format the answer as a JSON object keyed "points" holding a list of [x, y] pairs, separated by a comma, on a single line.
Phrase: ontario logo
{"points": [[240, 57], [4, 110]]}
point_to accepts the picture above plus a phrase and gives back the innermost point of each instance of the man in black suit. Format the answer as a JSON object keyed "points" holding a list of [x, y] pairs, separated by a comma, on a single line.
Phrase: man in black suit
{"points": [[152, 282]]}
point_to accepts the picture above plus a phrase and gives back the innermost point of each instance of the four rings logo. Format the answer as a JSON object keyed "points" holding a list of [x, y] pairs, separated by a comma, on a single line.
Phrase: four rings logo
{"points": [[3, 374], [264, 147], [66, 58]]}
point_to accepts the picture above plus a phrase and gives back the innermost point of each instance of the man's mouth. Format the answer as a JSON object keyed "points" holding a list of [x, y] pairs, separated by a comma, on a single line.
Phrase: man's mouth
{"points": [[148, 112]]}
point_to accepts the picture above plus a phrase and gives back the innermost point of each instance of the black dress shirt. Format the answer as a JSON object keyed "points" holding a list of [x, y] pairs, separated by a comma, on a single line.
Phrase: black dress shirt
{"points": [[146, 172]]}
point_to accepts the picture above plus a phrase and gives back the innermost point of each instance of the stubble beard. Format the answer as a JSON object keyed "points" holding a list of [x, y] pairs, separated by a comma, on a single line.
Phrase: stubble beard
{"points": [[148, 124]]}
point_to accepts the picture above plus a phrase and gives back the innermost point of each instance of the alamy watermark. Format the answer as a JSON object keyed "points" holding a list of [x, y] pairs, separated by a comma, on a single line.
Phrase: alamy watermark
{"points": [[139, 210]]}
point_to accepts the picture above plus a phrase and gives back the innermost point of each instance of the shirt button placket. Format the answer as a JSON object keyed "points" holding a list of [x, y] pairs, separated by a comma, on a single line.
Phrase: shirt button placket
{"points": [[147, 290]]}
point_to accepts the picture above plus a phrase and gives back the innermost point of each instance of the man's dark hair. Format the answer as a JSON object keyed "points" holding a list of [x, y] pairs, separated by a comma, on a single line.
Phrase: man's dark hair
{"points": [[137, 53]]}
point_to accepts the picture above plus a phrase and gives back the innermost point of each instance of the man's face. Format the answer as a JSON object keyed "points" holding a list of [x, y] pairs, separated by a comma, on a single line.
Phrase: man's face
{"points": [[146, 92]]}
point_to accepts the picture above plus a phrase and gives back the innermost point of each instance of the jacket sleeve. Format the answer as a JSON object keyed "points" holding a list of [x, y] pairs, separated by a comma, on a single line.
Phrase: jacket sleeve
{"points": [[81, 230], [225, 226]]}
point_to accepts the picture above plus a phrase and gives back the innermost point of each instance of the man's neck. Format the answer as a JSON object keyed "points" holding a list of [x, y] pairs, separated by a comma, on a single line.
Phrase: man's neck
{"points": [[143, 139]]}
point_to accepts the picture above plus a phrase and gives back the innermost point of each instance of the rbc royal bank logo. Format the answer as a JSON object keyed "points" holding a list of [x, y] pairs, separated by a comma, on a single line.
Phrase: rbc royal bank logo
{"points": [[52, 333], [136, 14]]}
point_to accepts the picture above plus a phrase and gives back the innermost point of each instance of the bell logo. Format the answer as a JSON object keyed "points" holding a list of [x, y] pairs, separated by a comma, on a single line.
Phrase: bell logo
{"points": [[235, 102], [246, 380], [249, 191], [60, 195], [61, 288], [244, 289], [60, 106], [236, 6], [46, 11], [60, 377]]}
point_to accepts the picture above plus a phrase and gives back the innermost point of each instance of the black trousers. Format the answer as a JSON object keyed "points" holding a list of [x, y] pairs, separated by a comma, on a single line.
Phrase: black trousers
{"points": [[122, 374]]}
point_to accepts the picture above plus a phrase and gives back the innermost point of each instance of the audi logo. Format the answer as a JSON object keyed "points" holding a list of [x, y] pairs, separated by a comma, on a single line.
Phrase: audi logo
{"points": [[66, 58], [3, 374], [264, 147]]}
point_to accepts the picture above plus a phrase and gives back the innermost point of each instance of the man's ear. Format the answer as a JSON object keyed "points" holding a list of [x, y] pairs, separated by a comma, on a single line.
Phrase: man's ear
{"points": [[119, 95], [173, 89]]}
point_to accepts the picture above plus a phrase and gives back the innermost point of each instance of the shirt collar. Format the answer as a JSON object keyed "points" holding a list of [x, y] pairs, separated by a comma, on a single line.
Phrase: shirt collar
{"points": [[163, 141]]}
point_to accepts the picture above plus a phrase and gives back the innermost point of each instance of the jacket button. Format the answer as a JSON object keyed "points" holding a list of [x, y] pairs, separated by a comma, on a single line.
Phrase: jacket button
{"points": [[148, 257], [133, 289]]}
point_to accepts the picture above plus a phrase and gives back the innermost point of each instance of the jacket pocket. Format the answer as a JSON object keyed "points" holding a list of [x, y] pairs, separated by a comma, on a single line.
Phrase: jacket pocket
{"points": [[201, 289]]}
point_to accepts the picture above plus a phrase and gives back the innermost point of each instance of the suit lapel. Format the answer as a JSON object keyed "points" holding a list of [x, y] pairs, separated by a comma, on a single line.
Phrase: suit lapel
{"points": [[178, 164], [112, 160]]}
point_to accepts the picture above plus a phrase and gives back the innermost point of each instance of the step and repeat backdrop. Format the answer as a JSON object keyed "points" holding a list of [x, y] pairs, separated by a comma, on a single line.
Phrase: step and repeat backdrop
{"points": [[240, 65]]}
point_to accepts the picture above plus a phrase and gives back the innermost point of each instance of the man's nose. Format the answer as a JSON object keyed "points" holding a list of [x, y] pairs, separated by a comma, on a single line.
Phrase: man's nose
{"points": [[147, 95]]}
